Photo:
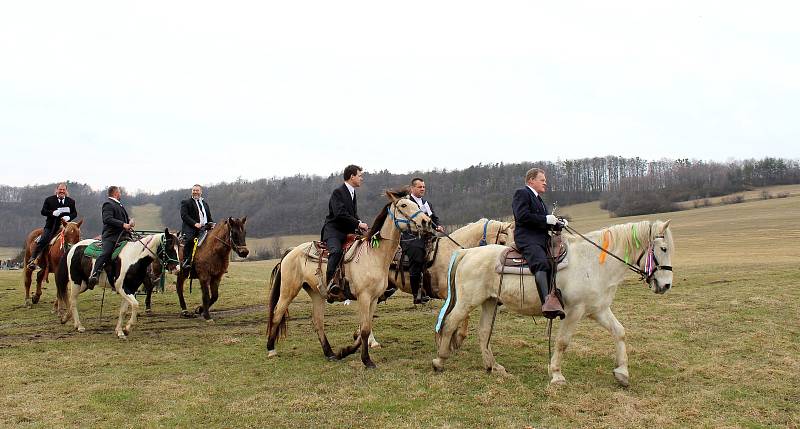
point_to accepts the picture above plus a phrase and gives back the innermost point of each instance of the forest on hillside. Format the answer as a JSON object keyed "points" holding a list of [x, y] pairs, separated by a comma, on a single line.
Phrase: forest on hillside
{"points": [[298, 204]]}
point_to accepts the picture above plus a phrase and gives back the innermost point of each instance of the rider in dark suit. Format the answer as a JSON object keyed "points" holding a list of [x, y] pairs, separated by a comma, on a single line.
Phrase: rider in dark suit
{"points": [[195, 214], [532, 223], [415, 245], [342, 219], [116, 227], [55, 208]]}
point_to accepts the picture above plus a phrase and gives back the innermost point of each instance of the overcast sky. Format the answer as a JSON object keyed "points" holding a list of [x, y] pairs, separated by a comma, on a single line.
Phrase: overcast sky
{"points": [[160, 95]]}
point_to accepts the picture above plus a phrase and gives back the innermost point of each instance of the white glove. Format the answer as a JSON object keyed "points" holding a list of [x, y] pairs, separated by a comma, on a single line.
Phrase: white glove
{"points": [[564, 221], [551, 219], [66, 218], [56, 212]]}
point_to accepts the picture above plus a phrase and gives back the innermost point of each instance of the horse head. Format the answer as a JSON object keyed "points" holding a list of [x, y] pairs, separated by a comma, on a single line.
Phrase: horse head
{"points": [[406, 214], [657, 263], [168, 252], [72, 231], [238, 236]]}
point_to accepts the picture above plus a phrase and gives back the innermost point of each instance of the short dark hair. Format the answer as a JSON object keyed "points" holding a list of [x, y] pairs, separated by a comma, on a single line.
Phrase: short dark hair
{"points": [[415, 180], [350, 171], [112, 189]]}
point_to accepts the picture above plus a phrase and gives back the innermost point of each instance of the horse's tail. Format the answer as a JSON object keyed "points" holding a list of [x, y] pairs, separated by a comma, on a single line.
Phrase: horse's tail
{"points": [[62, 283], [274, 296], [450, 302]]}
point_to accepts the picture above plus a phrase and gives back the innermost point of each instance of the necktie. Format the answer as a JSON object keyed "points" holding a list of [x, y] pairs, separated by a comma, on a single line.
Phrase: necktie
{"points": [[61, 201], [542, 203], [200, 207]]}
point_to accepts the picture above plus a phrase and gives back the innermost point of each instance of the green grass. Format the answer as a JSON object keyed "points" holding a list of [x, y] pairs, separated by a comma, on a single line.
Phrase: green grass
{"points": [[148, 217], [719, 350]]}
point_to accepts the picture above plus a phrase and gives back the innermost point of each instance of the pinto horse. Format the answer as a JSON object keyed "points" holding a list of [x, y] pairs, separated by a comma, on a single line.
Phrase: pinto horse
{"points": [[211, 263], [366, 268], [48, 261], [588, 285], [74, 271]]}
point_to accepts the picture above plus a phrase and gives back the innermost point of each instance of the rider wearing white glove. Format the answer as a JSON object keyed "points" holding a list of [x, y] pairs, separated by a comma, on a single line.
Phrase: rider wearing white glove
{"points": [[551, 219], [54, 207]]}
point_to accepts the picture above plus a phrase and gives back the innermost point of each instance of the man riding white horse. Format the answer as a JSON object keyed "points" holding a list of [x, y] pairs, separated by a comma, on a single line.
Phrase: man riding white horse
{"points": [[532, 223], [116, 228]]}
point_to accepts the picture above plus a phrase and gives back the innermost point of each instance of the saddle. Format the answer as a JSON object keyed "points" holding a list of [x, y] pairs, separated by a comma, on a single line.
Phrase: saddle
{"points": [[94, 249], [52, 240], [318, 252], [511, 261]]}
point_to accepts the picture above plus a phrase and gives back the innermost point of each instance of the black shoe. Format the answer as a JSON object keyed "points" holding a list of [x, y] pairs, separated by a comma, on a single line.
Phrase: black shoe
{"points": [[93, 280], [32, 264], [421, 298], [333, 288], [389, 292]]}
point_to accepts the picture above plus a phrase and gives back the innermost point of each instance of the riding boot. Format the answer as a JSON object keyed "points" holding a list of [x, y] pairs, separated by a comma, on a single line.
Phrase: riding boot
{"points": [[32, 261], [94, 278], [187, 260], [417, 290], [551, 305]]}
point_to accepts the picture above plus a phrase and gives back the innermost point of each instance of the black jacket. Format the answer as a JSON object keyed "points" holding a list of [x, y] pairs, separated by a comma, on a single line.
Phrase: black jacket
{"points": [[50, 204], [190, 215], [114, 216], [530, 219], [413, 239], [342, 216]]}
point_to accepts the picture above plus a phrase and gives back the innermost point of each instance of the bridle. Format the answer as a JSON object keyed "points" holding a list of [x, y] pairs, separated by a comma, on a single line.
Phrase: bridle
{"points": [[236, 247], [161, 253], [651, 263], [484, 242], [408, 219]]}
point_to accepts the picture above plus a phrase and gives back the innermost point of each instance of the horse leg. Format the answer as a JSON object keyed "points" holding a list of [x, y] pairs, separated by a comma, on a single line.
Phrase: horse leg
{"points": [[607, 320], [134, 304], [461, 334], [450, 326], [364, 303], [214, 291], [148, 287], [203, 309], [367, 310], [565, 331], [27, 274], [287, 295], [123, 307], [76, 321], [39, 279], [179, 289], [488, 312], [318, 319]]}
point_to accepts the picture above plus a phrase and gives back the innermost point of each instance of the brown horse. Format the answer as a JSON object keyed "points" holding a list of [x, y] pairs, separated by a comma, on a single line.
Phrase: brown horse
{"points": [[69, 234], [366, 269], [211, 262]]}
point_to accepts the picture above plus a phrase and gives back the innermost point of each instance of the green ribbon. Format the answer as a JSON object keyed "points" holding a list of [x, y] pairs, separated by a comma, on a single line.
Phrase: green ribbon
{"points": [[375, 242]]}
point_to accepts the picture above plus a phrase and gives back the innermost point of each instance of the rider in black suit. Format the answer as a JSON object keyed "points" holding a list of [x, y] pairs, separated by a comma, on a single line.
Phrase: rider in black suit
{"points": [[415, 245], [116, 228], [55, 208], [532, 223], [195, 214], [342, 219]]}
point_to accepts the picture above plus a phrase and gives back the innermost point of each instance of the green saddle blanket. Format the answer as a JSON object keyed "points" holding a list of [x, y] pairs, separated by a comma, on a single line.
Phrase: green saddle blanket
{"points": [[95, 249]]}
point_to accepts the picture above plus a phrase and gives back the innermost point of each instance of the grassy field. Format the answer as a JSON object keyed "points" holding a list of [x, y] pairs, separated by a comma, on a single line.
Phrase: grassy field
{"points": [[9, 252], [719, 350]]}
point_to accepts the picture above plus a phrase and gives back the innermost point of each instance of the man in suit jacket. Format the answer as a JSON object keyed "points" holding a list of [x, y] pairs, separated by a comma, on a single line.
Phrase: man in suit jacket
{"points": [[342, 219], [415, 245], [55, 208], [195, 214], [532, 223], [116, 227]]}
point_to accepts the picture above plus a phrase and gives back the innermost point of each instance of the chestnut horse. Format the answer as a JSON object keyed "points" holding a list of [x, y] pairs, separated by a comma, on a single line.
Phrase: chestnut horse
{"points": [[588, 284], [211, 262], [367, 270], [69, 234]]}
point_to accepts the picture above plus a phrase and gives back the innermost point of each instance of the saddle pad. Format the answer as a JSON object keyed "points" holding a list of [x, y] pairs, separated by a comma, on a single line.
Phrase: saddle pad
{"points": [[95, 249]]}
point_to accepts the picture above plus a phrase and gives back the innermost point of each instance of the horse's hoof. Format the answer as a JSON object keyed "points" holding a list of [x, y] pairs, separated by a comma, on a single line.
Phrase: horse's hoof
{"points": [[272, 353], [209, 320], [375, 345], [126, 331], [81, 329], [438, 365], [332, 358], [35, 299], [148, 311], [370, 365], [498, 369], [187, 315], [122, 336], [558, 380], [28, 303], [198, 310], [622, 378]]}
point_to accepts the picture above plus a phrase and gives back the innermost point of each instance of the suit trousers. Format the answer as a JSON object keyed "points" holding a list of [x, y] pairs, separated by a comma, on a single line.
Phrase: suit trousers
{"points": [[44, 239], [334, 244]]}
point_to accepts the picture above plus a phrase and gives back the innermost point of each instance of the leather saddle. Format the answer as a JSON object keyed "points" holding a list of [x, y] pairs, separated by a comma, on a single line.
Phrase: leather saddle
{"points": [[319, 251], [511, 261]]}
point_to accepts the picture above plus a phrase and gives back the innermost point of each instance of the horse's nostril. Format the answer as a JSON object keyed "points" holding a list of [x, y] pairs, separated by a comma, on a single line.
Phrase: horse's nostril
{"points": [[666, 286]]}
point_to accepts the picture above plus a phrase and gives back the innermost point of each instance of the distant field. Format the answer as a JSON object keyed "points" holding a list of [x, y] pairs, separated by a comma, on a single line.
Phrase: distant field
{"points": [[773, 191], [9, 252], [148, 217], [721, 349]]}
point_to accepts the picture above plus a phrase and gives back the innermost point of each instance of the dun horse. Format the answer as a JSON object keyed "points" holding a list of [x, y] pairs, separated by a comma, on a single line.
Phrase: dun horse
{"points": [[48, 261], [588, 283], [211, 263], [75, 269], [367, 272]]}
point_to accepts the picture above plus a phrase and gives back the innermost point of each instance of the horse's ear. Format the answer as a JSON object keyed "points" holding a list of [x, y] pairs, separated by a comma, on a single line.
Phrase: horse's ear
{"points": [[391, 195], [166, 231], [664, 226], [80, 222], [244, 220], [230, 220]]}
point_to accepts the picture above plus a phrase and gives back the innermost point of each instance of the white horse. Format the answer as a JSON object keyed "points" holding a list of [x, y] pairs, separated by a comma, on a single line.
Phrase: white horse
{"points": [[588, 284], [134, 258]]}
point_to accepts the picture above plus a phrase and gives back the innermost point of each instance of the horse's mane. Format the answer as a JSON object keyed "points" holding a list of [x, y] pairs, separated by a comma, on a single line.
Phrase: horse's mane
{"points": [[621, 236]]}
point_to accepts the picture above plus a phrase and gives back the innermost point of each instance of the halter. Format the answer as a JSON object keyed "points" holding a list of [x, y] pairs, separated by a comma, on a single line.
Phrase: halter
{"points": [[484, 242], [160, 253]]}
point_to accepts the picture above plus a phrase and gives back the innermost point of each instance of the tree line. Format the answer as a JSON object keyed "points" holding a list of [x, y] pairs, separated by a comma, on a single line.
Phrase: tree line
{"points": [[299, 204]]}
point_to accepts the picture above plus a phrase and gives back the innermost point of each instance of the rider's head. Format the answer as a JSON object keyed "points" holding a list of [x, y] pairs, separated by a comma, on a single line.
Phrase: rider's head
{"points": [[353, 175], [417, 187], [114, 192], [197, 191], [536, 179], [61, 190]]}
